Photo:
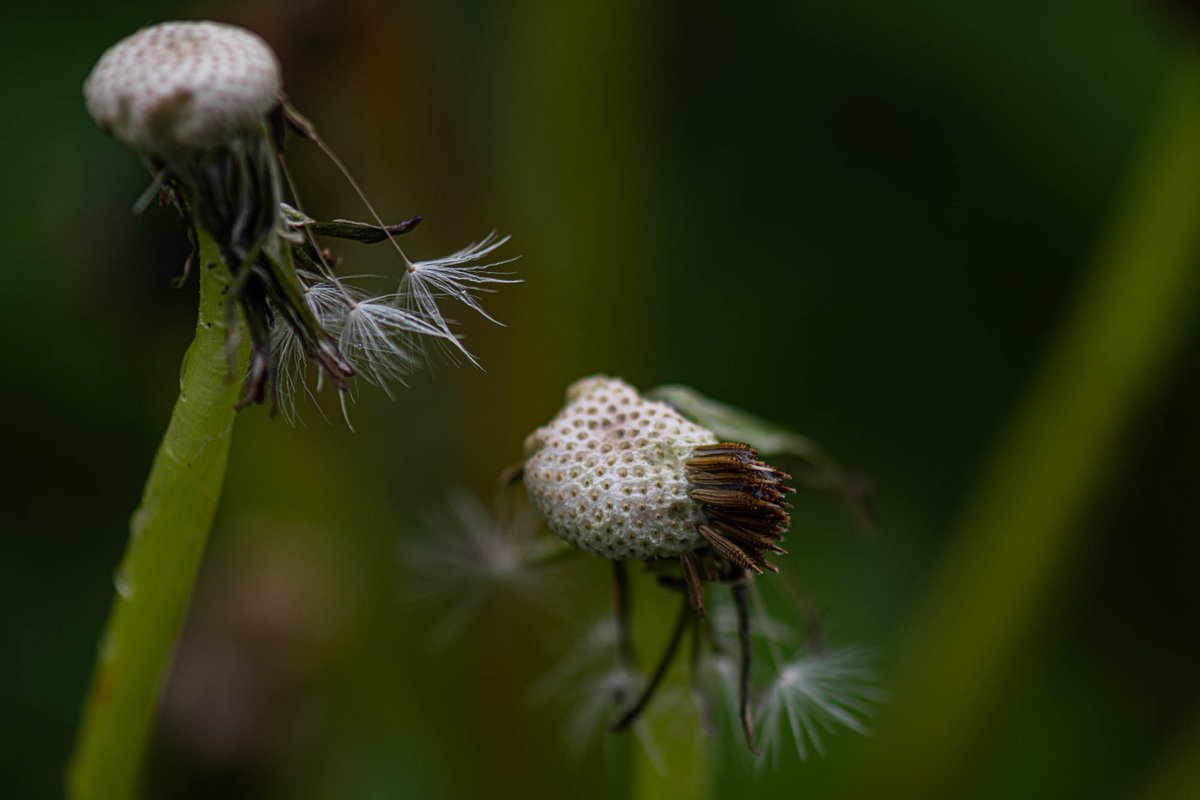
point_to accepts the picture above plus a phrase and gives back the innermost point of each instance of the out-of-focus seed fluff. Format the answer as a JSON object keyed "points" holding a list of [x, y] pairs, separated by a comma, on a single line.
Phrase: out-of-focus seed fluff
{"points": [[607, 474], [183, 85]]}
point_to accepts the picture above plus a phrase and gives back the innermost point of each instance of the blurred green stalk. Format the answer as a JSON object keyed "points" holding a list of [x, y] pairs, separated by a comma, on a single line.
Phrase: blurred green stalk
{"points": [[167, 536], [672, 758], [683, 770], [1177, 775], [1021, 530]]}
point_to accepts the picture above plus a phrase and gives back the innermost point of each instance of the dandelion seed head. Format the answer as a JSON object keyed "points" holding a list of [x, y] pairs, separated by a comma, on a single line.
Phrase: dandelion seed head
{"points": [[201, 102], [183, 85], [607, 474]]}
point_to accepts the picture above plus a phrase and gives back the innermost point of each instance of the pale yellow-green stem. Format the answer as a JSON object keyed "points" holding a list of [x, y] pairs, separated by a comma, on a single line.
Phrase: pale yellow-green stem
{"points": [[672, 759], [1024, 523], [681, 768], [167, 538]]}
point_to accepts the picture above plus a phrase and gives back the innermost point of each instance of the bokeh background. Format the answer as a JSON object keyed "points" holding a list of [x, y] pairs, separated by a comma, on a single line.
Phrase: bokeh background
{"points": [[867, 220]]}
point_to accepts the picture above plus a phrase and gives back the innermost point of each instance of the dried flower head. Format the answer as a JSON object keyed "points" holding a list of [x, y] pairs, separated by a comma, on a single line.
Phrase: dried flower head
{"points": [[184, 86], [203, 104], [623, 477], [628, 478]]}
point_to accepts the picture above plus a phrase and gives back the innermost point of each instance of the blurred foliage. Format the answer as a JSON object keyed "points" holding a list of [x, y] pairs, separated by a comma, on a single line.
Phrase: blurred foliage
{"points": [[860, 219]]}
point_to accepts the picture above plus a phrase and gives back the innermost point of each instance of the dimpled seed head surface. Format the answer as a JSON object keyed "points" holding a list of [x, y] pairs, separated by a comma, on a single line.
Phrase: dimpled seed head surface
{"points": [[183, 85], [607, 473]]}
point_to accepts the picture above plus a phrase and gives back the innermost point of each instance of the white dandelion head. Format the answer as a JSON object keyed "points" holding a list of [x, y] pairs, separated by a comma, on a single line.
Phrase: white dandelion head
{"points": [[184, 85], [202, 102], [814, 695]]}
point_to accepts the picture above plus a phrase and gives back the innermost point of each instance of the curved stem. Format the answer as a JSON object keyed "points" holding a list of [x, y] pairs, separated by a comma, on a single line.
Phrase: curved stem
{"points": [[1021, 534], [167, 537]]}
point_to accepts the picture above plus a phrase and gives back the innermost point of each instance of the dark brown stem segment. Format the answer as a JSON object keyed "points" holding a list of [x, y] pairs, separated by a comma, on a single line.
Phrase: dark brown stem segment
{"points": [[738, 590], [664, 663]]}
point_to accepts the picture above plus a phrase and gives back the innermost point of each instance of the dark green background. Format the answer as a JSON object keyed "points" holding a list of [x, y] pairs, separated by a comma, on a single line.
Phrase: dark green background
{"points": [[862, 219]]}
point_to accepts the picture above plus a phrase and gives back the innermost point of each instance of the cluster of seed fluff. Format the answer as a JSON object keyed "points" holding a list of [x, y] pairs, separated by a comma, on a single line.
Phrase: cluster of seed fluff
{"points": [[183, 85], [607, 474]]}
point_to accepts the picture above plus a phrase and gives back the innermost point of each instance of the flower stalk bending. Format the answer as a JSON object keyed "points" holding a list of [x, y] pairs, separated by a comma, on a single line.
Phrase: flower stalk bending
{"points": [[167, 538]]}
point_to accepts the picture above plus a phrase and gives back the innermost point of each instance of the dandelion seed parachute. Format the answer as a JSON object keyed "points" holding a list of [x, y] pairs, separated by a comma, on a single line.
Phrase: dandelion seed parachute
{"points": [[471, 554], [458, 276], [813, 695]]}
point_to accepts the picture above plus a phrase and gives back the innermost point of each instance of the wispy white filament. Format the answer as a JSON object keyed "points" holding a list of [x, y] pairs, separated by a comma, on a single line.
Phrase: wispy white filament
{"points": [[329, 303], [459, 276], [591, 684], [377, 337], [387, 337], [814, 695], [468, 554]]}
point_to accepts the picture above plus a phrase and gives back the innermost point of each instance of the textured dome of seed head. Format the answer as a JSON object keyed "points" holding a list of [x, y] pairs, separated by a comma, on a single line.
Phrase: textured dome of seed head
{"points": [[608, 476], [183, 85]]}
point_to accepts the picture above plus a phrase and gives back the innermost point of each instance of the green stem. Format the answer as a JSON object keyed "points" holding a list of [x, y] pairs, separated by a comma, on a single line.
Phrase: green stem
{"points": [[1022, 529], [680, 766], [167, 537], [673, 757]]}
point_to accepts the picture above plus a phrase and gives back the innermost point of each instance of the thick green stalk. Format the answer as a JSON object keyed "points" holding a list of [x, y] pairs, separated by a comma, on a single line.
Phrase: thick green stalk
{"points": [[167, 536], [1026, 520]]}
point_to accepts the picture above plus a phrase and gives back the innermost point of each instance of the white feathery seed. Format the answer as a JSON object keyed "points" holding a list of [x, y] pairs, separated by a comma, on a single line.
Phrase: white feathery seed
{"points": [[588, 682], [814, 695], [329, 302], [607, 474], [184, 86], [377, 338], [457, 276]]}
